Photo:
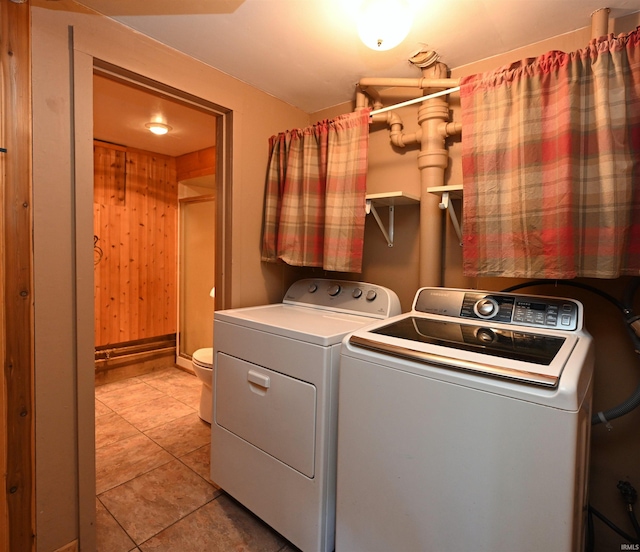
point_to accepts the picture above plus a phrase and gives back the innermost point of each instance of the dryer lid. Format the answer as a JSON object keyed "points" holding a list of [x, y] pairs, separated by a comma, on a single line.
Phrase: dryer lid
{"points": [[317, 326]]}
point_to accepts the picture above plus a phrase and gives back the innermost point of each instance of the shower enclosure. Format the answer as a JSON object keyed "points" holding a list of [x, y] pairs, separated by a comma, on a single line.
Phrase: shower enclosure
{"points": [[196, 268]]}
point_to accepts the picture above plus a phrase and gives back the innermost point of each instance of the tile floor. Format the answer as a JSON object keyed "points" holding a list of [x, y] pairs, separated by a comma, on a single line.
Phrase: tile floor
{"points": [[152, 474]]}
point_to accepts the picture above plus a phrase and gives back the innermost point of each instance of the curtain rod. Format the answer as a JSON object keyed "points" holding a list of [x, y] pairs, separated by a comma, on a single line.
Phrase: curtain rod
{"points": [[415, 100]]}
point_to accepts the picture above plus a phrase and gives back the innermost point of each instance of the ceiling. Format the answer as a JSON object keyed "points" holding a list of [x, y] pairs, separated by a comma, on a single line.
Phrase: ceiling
{"points": [[308, 54], [121, 111]]}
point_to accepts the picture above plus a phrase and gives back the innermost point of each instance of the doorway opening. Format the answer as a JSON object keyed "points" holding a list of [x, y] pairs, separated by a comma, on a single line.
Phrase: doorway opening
{"points": [[160, 211]]}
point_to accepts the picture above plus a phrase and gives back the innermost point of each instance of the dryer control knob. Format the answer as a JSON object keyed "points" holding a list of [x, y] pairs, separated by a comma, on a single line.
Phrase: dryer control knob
{"points": [[486, 308], [357, 293], [334, 290], [313, 288], [371, 295]]}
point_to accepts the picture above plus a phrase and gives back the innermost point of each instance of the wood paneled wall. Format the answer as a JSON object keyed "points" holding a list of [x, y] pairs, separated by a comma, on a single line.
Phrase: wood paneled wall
{"points": [[17, 462], [196, 164], [135, 227]]}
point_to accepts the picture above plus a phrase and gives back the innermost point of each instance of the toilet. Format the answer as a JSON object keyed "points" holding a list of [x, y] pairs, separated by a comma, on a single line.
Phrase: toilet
{"points": [[202, 362]]}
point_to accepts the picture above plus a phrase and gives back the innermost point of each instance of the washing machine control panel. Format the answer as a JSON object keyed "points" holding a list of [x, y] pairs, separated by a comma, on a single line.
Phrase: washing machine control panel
{"points": [[507, 308]]}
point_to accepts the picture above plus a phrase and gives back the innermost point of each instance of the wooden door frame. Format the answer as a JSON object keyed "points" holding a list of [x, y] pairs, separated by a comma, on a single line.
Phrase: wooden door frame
{"points": [[17, 508]]}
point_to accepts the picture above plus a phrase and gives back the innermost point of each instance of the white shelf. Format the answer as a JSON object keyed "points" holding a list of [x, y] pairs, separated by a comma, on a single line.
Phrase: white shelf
{"points": [[390, 200], [387, 199]]}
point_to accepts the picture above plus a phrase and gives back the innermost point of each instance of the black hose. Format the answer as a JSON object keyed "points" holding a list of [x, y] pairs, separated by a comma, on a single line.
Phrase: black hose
{"points": [[620, 306], [613, 526], [626, 308], [620, 410], [633, 401]]}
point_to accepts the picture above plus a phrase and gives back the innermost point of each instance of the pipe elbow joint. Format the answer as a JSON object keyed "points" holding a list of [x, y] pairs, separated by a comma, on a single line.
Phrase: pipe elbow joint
{"points": [[396, 136], [396, 139], [396, 126], [394, 120]]}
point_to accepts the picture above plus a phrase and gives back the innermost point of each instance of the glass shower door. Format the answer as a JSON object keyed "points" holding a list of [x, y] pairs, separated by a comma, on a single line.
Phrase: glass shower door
{"points": [[197, 255]]}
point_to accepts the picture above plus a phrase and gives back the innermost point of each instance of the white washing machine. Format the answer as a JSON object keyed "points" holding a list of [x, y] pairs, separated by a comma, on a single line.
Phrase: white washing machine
{"points": [[464, 425], [273, 436]]}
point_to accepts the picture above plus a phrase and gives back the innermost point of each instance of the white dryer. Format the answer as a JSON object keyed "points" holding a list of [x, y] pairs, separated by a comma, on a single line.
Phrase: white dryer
{"points": [[273, 435], [464, 426]]}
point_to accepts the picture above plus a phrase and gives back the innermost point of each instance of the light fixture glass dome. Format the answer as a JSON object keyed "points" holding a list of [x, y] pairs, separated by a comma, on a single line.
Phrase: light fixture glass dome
{"points": [[158, 128], [383, 24]]}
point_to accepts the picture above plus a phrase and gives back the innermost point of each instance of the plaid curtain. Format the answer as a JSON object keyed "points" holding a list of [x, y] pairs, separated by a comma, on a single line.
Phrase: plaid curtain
{"points": [[551, 164], [314, 207]]}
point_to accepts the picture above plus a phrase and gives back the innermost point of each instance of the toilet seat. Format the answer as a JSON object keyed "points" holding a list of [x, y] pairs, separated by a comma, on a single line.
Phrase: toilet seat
{"points": [[203, 358]]}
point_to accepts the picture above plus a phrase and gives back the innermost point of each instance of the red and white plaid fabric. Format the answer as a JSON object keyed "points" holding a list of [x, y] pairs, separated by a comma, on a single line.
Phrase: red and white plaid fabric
{"points": [[551, 164], [314, 206]]}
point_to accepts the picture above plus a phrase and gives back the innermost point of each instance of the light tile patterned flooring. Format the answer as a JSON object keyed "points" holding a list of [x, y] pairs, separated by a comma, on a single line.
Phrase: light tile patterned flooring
{"points": [[152, 474]]}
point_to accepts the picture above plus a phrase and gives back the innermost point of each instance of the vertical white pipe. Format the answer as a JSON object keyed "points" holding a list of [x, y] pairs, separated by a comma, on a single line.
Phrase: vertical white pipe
{"points": [[600, 22], [432, 162], [361, 99]]}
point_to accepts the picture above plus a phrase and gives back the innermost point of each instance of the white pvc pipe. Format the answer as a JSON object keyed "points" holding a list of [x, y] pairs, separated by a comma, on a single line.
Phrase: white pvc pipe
{"points": [[416, 100], [433, 118], [600, 23]]}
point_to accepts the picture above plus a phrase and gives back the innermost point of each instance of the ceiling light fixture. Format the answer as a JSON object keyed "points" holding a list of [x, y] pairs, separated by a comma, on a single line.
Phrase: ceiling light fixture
{"points": [[383, 24], [158, 128]]}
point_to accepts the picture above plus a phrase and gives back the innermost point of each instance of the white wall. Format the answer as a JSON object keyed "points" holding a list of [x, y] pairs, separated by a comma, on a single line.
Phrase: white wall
{"points": [[63, 273], [62, 207]]}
